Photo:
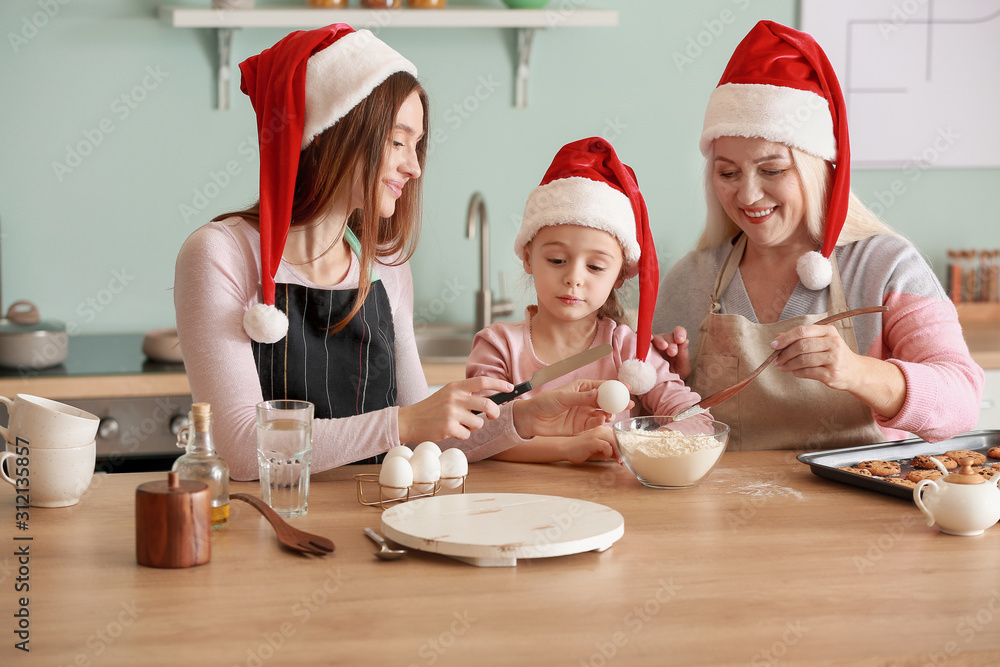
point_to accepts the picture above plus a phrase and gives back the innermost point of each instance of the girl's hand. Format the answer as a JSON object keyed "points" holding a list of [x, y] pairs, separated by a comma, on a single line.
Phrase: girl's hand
{"points": [[594, 445], [565, 411], [674, 346], [448, 412], [818, 353]]}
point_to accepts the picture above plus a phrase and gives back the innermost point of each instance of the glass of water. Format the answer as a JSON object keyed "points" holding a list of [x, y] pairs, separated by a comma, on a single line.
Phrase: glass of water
{"points": [[284, 449]]}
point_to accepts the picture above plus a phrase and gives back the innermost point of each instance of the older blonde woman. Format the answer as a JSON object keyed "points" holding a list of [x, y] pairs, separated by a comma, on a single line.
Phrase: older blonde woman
{"points": [[786, 243]]}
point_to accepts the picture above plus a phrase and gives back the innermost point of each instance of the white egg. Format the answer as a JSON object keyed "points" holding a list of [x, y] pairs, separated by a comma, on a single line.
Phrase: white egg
{"points": [[454, 466], [426, 470], [428, 446], [398, 450], [613, 397], [396, 472]]}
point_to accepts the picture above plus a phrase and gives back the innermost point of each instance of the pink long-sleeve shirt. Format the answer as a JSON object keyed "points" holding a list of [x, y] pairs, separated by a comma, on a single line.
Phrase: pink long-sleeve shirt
{"points": [[504, 350], [217, 279]]}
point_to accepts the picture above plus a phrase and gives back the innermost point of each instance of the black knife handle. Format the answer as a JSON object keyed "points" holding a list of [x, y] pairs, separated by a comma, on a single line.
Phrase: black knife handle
{"points": [[505, 396]]}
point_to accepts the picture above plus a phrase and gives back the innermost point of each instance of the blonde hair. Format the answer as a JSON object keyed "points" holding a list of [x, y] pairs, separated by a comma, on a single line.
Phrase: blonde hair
{"points": [[815, 175]]}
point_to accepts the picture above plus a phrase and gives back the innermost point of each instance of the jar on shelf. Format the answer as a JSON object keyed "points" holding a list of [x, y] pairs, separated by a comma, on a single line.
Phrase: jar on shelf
{"points": [[382, 4], [426, 4], [328, 4]]}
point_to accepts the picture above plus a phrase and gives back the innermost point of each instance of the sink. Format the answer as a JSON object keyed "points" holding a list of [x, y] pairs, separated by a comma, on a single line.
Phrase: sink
{"points": [[444, 343]]}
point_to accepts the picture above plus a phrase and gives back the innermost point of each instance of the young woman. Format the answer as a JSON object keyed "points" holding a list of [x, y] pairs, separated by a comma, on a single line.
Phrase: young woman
{"points": [[785, 244], [308, 295], [585, 231]]}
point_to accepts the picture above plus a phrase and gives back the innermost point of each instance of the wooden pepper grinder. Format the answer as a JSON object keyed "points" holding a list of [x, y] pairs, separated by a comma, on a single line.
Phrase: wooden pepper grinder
{"points": [[173, 523]]}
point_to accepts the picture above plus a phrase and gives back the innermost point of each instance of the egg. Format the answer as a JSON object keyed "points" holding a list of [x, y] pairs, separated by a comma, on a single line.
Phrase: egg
{"points": [[398, 450], [426, 467], [396, 472], [613, 397], [454, 466], [428, 446]]}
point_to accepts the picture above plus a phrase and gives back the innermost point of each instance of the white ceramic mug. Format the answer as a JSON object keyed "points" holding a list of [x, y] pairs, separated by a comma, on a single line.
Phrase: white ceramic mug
{"points": [[55, 477], [42, 423]]}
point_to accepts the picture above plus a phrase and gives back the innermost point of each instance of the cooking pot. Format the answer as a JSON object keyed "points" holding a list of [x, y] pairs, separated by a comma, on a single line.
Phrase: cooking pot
{"points": [[28, 342]]}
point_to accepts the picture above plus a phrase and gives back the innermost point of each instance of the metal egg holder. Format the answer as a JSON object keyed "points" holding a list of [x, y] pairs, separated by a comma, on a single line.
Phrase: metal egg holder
{"points": [[370, 479]]}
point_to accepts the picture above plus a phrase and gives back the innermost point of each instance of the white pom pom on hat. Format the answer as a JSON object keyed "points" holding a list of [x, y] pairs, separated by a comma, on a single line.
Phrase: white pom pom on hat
{"points": [[779, 85], [815, 270], [640, 376], [265, 324], [299, 87]]}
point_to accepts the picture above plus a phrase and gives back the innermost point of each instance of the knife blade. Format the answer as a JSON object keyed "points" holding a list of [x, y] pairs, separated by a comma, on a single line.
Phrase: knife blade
{"points": [[553, 371]]}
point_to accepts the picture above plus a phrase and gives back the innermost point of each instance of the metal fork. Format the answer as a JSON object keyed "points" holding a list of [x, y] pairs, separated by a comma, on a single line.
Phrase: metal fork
{"points": [[289, 536], [729, 392]]}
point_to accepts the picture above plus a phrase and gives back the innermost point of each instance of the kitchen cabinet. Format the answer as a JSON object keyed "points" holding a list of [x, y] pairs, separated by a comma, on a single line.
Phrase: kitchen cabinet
{"points": [[981, 328], [989, 416], [525, 21]]}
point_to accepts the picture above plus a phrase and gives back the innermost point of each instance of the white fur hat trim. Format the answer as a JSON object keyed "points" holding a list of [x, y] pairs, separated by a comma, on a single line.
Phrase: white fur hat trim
{"points": [[790, 116], [581, 201], [640, 376], [343, 74], [265, 324], [815, 270]]}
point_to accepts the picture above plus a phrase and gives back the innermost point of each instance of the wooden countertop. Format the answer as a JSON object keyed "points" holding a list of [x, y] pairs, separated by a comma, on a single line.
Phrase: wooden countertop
{"points": [[762, 563]]}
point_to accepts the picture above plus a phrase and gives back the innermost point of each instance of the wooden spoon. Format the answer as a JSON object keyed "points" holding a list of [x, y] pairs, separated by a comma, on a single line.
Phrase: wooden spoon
{"points": [[729, 392], [289, 536]]}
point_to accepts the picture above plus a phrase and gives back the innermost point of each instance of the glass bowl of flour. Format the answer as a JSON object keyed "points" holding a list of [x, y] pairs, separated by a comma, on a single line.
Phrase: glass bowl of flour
{"points": [[667, 454]]}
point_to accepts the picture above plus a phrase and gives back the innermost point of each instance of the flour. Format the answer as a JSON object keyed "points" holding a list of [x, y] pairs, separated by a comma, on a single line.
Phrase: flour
{"points": [[767, 489], [669, 458]]}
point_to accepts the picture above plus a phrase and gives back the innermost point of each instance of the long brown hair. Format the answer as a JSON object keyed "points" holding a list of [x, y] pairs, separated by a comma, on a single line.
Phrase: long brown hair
{"points": [[326, 169]]}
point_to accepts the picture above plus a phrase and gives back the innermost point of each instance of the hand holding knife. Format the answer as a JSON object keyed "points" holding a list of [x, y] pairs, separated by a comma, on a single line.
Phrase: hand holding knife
{"points": [[553, 371]]}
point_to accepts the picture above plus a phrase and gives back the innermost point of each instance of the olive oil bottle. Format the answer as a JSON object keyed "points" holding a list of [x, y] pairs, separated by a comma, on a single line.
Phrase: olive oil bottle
{"points": [[201, 463]]}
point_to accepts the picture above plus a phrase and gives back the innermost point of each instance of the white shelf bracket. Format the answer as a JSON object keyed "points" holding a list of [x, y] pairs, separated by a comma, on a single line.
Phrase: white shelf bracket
{"points": [[224, 36], [524, 38]]}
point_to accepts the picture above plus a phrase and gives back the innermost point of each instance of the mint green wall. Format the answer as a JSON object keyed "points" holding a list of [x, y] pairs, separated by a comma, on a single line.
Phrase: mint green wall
{"points": [[94, 244]]}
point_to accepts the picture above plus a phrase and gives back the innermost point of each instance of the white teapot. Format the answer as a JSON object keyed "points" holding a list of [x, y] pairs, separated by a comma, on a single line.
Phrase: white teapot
{"points": [[962, 503]]}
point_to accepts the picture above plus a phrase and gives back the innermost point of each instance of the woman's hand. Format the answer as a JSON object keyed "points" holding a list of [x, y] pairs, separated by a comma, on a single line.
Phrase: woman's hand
{"points": [[674, 346], [819, 353], [449, 412], [565, 411]]}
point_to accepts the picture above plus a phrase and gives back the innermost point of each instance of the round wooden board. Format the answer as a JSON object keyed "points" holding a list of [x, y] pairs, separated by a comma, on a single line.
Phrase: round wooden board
{"points": [[495, 529]]}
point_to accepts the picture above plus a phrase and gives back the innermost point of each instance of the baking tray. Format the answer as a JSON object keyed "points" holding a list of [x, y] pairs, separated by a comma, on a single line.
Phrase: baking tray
{"points": [[825, 463]]}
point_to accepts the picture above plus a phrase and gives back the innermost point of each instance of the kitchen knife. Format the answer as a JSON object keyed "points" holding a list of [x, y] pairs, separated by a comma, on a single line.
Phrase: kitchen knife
{"points": [[549, 373]]}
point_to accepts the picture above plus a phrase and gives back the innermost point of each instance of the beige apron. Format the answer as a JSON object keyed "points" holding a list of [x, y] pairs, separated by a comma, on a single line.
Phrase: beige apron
{"points": [[777, 410]]}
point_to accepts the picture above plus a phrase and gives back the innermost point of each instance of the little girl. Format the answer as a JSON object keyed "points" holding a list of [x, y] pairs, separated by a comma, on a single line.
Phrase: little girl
{"points": [[585, 231]]}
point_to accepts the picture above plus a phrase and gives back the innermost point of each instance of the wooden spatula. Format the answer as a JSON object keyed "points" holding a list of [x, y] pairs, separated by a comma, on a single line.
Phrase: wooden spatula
{"points": [[729, 392]]}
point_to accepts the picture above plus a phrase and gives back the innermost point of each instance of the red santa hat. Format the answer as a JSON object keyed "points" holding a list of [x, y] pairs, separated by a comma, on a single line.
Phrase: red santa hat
{"points": [[299, 87], [780, 86], [588, 185]]}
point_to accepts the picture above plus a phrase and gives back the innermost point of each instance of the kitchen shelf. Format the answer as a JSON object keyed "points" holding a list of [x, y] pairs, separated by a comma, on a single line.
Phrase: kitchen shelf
{"points": [[525, 21]]}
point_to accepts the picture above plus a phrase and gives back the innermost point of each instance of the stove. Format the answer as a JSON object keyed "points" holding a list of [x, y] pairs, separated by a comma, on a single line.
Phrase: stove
{"points": [[136, 434]]}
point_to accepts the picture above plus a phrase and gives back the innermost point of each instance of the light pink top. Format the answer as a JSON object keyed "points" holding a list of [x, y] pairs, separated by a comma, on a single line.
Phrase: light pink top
{"points": [[217, 278], [504, 351]]}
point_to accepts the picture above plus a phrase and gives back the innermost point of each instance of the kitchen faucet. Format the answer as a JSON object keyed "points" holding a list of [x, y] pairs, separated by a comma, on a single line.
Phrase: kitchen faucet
{"points": [[486, 309]]}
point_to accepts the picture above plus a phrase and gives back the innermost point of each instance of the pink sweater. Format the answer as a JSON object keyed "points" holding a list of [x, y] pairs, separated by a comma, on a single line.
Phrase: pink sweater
{"points": [[920, 334], [504, 351], [217, 278]]}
